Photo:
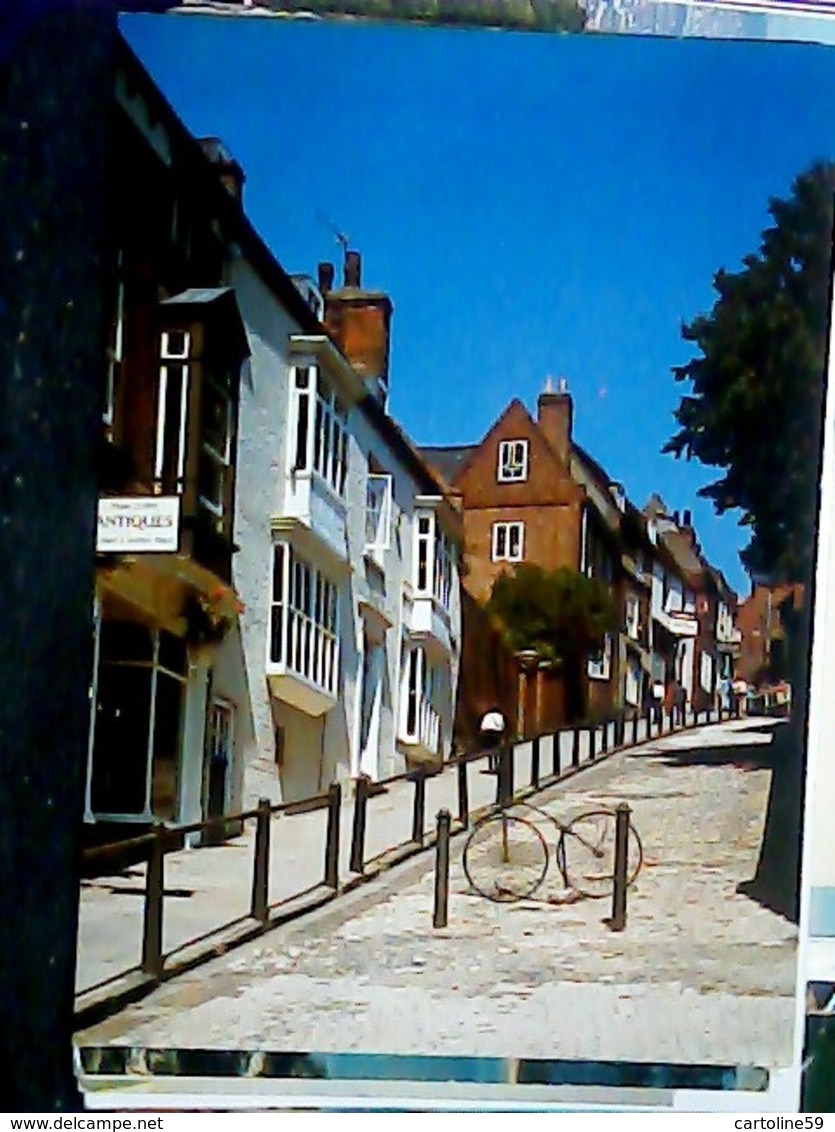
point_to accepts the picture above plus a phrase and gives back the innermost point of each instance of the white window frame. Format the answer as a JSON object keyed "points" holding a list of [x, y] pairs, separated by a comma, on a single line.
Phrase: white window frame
{"points": [[179, 358], [600, 667], [512, 466], [707, 677], [502, 537], [420, 720], [633, 617], [632, 684], [221, 459], [379, 489], [304, 620], [584, 542], [116, 351], [434, 558], [325, 448]]}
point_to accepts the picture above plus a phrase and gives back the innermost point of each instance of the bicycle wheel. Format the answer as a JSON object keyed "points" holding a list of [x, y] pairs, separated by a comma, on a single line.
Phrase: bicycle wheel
{"points": [[505, 858], [586, 853]]}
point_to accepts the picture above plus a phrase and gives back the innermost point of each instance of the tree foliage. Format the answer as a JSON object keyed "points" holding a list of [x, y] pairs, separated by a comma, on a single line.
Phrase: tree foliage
{"points": [[560, 614], [754, 409]]}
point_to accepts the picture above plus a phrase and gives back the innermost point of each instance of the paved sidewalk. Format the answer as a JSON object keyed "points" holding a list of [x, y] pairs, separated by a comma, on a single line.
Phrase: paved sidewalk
{"points": [[701, 974], [211, 886]]}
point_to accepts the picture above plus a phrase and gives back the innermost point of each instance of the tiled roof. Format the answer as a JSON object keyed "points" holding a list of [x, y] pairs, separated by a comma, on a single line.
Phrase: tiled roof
{"points": [[448, 459]]}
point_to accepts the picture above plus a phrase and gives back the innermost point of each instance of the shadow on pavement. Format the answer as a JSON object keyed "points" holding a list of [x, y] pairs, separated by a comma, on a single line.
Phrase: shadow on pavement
{"points": [[776, 882]]}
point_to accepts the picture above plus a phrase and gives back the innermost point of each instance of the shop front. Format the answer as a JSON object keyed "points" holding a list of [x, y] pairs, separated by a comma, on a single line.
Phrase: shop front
{"points": [[157, 752]]}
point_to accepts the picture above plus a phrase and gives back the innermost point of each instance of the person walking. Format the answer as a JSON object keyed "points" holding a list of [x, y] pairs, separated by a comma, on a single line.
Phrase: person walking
{"points": [[491, 733]]}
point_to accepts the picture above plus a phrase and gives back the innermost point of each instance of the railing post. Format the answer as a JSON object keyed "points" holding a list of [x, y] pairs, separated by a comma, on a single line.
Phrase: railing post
{"points": [[440, 913], [621, 877], [604, 745], [260, 908], [463, 794], [154, 895], [635, 728], [505, 776], [575, 747], [419, 809], [648, 716], [332, 836], [357, 860], [556, 755], [535, 763], [592, 744]]}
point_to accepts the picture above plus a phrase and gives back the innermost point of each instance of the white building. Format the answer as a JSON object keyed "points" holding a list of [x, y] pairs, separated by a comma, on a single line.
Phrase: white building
{"points": [[348, 560]]}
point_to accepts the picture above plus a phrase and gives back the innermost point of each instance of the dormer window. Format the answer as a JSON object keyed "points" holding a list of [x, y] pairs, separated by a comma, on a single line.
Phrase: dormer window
{"points": [[513, 461]]}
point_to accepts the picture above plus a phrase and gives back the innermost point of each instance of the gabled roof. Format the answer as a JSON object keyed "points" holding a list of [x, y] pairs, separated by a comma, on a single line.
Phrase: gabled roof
{"points": [[260, 257], [448, 459]]}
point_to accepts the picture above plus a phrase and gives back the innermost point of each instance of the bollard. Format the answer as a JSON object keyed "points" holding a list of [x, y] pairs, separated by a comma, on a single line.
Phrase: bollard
{"points": [[635, 729], [332, 836], [604, 742], [575, 748], [419, 809], [556, 746], [463, 794], [535, 763], [621, 877], [504, 794], [441, 911], [357, 861], [260, 908], [154, 894], [648, 716]]}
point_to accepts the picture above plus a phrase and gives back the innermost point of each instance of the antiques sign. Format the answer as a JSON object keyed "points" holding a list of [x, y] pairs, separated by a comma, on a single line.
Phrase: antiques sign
{"points": [[139, 524]]}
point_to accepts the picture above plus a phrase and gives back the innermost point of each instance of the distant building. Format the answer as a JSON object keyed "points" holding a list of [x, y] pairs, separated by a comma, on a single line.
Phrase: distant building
{"points": [[761, 620], [530, 494]]}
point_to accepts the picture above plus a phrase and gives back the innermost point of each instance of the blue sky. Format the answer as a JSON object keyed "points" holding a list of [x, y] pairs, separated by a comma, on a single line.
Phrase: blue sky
{"points": [[535, 205]]}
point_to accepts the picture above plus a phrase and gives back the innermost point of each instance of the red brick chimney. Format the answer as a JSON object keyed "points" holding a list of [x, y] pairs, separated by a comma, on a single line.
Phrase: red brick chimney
{"points": [[359, 322], [555, 414]]}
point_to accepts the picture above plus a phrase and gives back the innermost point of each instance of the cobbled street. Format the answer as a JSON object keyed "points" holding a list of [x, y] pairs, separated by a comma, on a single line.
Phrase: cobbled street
{"points": [[701, 973]]}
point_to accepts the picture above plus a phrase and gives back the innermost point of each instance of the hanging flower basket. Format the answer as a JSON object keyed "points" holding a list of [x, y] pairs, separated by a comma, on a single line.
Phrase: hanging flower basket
{"points": [[209, 617]]}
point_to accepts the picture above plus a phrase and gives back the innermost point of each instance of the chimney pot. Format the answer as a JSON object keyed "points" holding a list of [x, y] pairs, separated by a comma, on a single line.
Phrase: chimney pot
{"points": [[562, 385], [325, 273], [688, 519], [352, 269]]}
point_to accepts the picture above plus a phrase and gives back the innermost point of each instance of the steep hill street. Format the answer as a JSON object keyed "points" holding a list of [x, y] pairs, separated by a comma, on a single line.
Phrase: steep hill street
{"points": [[701, 973]]}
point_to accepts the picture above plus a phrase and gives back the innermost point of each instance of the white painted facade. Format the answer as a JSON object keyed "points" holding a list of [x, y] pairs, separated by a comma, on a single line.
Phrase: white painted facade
{"points": [[328, 572]]}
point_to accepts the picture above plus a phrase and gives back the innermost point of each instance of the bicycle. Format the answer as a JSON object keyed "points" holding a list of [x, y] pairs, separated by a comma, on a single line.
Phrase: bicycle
{"points": [[506, 857]]}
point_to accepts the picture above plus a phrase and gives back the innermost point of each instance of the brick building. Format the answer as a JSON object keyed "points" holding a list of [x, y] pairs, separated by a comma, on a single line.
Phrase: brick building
{"points": [[530, 494], [761, 620]]}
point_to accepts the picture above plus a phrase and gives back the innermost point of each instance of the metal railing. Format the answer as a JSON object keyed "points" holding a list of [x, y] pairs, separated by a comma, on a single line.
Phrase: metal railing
{"points": [[583, 745]]}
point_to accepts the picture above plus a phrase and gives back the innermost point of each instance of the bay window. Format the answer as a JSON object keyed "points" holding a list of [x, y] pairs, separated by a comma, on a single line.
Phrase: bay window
{"points": [[216, 433], [378, 493], [303, 619], [319, 428], [172, 412], [420, 720], [434, 559]]}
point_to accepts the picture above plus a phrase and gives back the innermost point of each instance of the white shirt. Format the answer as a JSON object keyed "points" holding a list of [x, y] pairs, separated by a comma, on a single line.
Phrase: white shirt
{"points": [[493, 721]]}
